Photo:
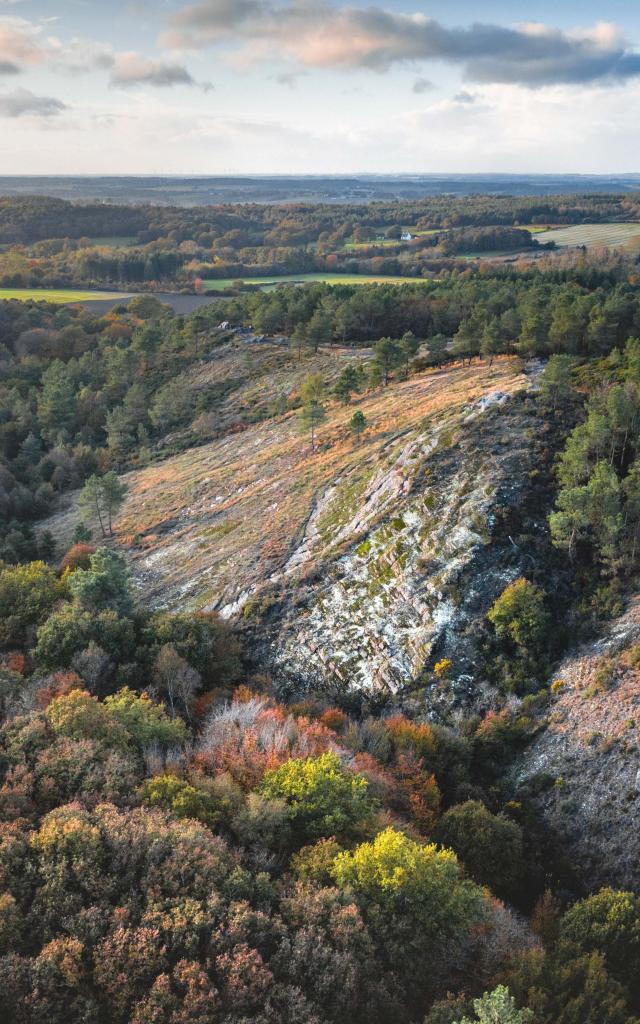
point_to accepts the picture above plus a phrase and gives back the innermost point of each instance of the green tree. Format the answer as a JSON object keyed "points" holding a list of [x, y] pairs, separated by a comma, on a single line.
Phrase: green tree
{"points": [[68, 631], [172, 406], [519, 615], [313, 411], [346, 384], [323, 799], [608, 922], [298, 340], [319, 329], [57, 401], [416, 901], [437, 347], [556, 379], [28, 595], [358, 423], [489, 845], [491, 340], [101, 498], [498, 1007], [409, 346], [388, 356], [181, 798], [104, 586]]}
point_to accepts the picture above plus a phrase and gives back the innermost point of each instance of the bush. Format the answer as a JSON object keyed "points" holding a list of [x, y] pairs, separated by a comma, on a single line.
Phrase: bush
{"points": [[608, 923], [69, 631], [519, 615]]}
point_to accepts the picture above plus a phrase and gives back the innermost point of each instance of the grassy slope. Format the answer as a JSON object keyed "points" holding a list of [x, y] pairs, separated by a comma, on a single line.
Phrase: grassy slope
{"points": [[221, 517]]}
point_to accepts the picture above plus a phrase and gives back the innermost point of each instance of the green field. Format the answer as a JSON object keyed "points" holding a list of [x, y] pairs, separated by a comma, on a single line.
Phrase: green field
{"points": [[271, 282], [114, 241], [593, 235], [57, 295]]}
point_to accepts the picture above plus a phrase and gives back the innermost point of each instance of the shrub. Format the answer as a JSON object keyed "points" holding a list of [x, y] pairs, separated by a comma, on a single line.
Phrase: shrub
{"points": [[69, 631], [519, 615], [608, 923], [77, 557], [498, 1007], [122, 719]]}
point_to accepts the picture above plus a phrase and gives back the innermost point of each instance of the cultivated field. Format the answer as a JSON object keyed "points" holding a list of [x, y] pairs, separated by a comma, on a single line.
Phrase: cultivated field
{"points": [[594, 235], [58, 295], [271, 282]]}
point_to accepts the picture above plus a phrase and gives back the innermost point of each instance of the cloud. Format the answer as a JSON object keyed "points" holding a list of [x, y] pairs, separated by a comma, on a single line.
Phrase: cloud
{"points": [[422, 85], [131, 69], [22, 101], [317, 34], [289, 78], [23, 43], [464, 97], [20, 42]]}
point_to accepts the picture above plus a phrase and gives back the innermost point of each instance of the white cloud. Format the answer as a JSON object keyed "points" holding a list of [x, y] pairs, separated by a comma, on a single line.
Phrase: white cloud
{"points": [[318, 34]]}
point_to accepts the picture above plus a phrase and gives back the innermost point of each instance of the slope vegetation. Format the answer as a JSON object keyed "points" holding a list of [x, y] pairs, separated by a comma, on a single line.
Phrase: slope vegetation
{"points": [[348, 558]]}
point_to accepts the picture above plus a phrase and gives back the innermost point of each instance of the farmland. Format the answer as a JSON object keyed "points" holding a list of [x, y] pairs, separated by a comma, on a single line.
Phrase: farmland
{"points": [[625, 234], [224, 284], [57, 295]]}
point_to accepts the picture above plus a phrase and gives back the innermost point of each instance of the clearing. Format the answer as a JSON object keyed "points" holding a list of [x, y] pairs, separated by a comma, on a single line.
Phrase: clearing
{"points": [[59, 295], [270, 282]]}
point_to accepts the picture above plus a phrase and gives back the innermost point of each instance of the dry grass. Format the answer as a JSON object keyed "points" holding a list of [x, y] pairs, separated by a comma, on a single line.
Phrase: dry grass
{"points": [[214, 522]]}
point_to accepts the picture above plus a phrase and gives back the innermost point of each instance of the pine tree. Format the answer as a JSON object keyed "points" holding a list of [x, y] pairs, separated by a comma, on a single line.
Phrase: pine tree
{"points": [[357, 423]]}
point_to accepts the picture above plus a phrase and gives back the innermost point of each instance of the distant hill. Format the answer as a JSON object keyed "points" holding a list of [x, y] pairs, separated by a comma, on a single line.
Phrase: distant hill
{"points": [[203, 191]]}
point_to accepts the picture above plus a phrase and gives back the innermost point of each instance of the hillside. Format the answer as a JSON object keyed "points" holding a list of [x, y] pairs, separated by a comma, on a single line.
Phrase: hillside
{"points": [[363, 558], [583, 770]]}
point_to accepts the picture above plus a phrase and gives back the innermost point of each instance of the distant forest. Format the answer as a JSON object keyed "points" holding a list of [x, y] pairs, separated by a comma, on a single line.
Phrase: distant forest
{"points": [[53, 243]]}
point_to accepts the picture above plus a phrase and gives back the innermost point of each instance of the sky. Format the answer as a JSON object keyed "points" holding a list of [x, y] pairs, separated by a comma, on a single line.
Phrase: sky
{"points": [[319, 86]]}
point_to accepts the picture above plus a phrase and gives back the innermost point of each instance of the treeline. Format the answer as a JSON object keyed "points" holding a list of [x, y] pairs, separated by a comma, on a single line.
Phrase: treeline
{"points": [[597, 515], [486, 239], [582, 311], [32, 218]]}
